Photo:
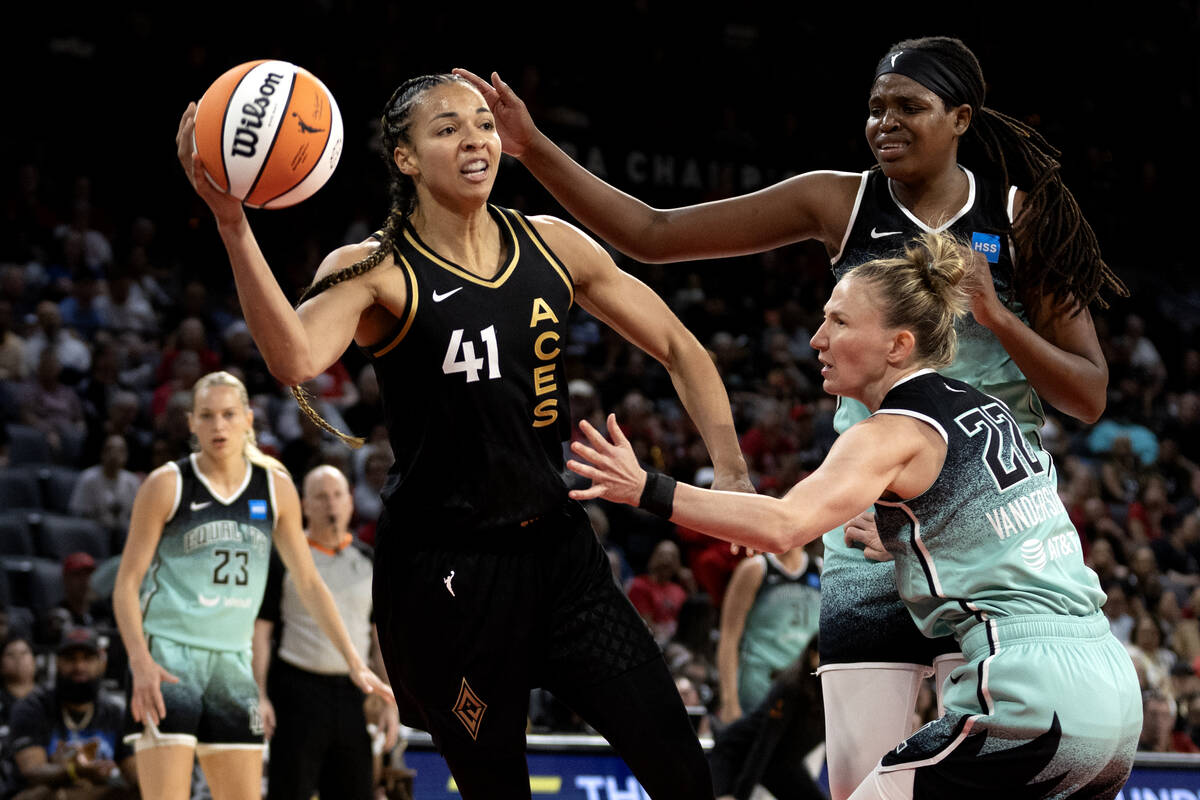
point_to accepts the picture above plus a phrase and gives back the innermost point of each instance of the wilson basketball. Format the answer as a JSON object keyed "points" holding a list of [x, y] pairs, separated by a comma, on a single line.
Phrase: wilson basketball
{"points": [[269, 133]]}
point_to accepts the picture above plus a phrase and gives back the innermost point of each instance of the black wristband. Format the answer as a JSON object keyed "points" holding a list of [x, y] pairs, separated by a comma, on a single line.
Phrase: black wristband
{"points": [[658, 496]]}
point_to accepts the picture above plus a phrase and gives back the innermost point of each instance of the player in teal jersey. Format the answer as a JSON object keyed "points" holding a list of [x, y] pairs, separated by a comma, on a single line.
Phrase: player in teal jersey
{"points": [[198, 550], [1024, 335], [769, 615], [1047, 703]]}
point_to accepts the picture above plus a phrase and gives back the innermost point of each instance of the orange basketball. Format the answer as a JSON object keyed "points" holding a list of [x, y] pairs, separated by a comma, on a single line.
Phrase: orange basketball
{"points": [[269, 133]]}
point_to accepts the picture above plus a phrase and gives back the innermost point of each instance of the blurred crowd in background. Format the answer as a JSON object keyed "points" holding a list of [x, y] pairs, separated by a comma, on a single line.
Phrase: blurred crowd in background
{"points": [[115, 295]]}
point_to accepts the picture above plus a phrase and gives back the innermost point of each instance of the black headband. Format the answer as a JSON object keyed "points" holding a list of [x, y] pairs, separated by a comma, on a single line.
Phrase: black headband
{"points": [[931, 73]]}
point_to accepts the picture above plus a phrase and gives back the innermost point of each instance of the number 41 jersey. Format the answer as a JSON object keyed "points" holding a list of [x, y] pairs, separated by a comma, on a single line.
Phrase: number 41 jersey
{"points": [[473, 386], [990, 537], [206, 581]]}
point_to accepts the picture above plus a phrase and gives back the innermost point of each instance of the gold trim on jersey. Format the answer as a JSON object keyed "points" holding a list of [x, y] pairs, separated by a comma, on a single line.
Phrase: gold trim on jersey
{"points": [[559, 268], [492, 283], [414, 296]]}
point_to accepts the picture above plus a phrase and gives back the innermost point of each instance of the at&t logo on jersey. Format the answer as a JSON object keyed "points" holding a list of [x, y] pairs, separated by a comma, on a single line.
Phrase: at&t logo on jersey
{"points": [[988, 244], [1037, 554]]}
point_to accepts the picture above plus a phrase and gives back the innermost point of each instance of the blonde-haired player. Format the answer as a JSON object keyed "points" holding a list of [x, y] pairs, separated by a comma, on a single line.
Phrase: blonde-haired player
{"points": [[198, 549]]}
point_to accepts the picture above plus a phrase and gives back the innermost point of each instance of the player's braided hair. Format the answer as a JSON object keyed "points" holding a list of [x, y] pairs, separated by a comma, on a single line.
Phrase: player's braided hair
{"points": [[394, 127], [1057, 251]]}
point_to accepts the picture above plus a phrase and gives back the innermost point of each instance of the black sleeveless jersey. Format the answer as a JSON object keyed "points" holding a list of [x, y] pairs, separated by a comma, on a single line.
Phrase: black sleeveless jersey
{"points": [[880, 226], [473, 386]]}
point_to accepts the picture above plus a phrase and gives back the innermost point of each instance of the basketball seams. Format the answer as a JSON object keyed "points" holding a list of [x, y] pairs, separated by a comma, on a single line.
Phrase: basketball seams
{"points": [[274, 137], [332, 134], [215, 138]]}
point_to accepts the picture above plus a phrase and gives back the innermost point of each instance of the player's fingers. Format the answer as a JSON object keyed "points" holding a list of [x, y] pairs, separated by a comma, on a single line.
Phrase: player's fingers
{"points": [[614, 431], [166, 676], [590, 493], [586, 470], [583, 451], [594, 436]]}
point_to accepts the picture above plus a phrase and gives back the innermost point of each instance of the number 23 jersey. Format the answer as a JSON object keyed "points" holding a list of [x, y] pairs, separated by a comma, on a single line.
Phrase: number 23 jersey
{"points": [[206, 580], [473, 385]]}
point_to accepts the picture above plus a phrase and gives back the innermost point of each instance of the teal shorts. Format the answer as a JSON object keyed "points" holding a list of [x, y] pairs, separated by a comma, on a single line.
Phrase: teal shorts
{"points": [[215, 702], [1045, 706]]}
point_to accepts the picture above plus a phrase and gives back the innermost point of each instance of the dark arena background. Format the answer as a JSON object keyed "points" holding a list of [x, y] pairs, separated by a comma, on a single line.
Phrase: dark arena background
{"points": [[675, 103]]}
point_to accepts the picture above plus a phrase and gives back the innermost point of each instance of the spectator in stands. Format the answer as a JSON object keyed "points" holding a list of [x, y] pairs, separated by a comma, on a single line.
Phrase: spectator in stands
{"points": [[367, 501], [659, 593], [1151, 512], [241, 356], [125, 306], [185, 370], [1153, 659], [53, 407], [365, 415], [18, 679], [105, 492], [190, 336], [1116, 609], [18, 673], [68, 736], [79, 309], [73, 354], [85, 608], [12, 346], [1158, 721]]}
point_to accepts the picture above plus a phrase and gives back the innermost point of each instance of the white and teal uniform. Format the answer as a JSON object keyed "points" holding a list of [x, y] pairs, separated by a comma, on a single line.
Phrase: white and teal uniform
{"points": [[862, 618], [780, 623], [1048, 703], [199, 600]]}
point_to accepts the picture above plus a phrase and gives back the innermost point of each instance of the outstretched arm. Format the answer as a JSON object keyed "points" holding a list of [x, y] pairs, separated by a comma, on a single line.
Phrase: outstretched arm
{"points": [[294, 552], [295, 345], [815, 205], [877, 453], [632, 309]]}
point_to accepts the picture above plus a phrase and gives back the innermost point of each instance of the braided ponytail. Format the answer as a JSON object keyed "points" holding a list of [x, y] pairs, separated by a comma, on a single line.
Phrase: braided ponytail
{"points": [[394, 128]]}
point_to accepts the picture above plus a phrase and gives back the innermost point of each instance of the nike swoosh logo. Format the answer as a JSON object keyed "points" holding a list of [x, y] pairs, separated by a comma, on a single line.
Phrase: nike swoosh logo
{"points": [[954, 679], [952, 389], [880, 234], [207, 603], [439, 297], [197, 506]]}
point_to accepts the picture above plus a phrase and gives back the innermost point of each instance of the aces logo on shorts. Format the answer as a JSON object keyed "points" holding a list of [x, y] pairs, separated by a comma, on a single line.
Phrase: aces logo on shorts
{"points": [[469, 709]]}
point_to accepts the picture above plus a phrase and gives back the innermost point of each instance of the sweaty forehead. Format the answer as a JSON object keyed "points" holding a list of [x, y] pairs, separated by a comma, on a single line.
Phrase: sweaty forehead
{"points": [[455, 97]]}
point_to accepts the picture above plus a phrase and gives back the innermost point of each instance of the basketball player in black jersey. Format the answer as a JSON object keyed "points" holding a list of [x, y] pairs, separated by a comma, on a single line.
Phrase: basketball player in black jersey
{"points": [[488, 579], [1043, 265]]}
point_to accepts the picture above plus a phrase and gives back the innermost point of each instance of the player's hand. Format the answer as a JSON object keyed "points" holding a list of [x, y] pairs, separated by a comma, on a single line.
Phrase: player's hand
{"points": [[266, 712], [862, 531], [146, 701], [513, 121], [985, 304], [370, 683], [612, 467], [226, 208], [729, 711], [389, 723]]}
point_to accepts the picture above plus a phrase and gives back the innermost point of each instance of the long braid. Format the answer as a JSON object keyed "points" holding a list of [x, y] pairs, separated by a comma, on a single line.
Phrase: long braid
{"points": [[1057, 250], [394, 127]]}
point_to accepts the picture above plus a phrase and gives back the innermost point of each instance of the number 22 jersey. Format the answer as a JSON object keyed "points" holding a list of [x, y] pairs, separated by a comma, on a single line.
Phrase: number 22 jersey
{"points": [[990, 537]]}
